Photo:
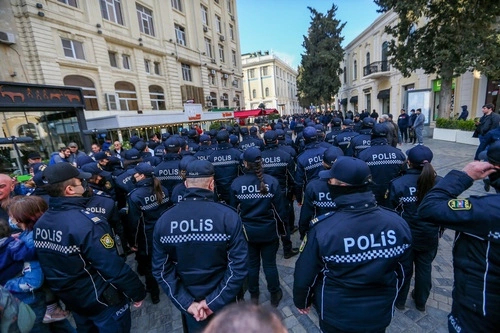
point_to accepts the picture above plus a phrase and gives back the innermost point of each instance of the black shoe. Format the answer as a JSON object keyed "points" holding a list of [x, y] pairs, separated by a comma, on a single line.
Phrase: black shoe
{"points": [[419, 307], [254, 298], [276, 298], [293, 252], [155, 298], [400, 307]]}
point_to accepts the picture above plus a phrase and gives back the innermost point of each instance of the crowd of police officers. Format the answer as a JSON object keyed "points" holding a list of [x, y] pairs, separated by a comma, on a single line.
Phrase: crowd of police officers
{"points": [[132, 189]]}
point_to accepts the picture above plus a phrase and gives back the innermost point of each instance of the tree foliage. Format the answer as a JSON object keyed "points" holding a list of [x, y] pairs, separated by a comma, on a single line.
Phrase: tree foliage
{"points": [[319, 73], [446, 37]]}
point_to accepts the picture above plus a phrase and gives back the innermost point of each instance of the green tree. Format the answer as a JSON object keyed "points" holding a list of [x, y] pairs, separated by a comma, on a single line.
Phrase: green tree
{"points": [[446, 37], [320, 72]]}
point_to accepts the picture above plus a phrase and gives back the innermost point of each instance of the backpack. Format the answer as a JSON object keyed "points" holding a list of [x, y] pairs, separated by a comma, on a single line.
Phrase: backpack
{"points": [[16, 316]]}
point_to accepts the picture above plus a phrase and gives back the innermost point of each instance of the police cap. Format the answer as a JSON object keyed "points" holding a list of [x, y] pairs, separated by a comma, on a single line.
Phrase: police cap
{"points": [[199, 169], [270, 137], [349, 170], [60, 172], [419, 155], [94, 169]]}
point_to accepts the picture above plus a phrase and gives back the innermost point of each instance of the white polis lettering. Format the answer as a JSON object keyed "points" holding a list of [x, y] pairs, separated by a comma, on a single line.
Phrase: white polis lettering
{"points": [[98, 210], [48, 234], [252, 188], [150, 199], [201, 157], [168, 172], [371, 241], [247, 145], [223, 158], [315, 159], [274, 159], [384, 156], [367, 142], [346, 138], [412, 190], [126, 179], [191, 225], [324, 195]]}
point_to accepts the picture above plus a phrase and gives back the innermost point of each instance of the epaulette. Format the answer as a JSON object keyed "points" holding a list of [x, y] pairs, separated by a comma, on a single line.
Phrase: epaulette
{"points": [[91, 216], [320, 218]]}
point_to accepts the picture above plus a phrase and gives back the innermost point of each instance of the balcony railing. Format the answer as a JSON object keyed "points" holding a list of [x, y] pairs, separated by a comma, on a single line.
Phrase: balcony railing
{"points": [[376, 67]]}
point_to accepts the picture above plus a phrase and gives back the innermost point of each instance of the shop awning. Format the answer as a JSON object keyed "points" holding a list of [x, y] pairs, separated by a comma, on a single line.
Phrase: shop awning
{"points": [[270, 111], [354, 99], [384, 94], [343, 101], [248, 113]]}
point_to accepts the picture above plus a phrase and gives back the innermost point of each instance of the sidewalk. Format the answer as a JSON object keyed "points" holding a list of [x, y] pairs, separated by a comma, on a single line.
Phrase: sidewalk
{"points": [[164, 317]]}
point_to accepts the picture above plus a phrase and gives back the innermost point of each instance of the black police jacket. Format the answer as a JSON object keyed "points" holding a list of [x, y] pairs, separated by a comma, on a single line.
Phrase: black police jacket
{"points": [[279, 164], [476, 251], [330, 137], [353, 260], [79, 258], [317, 201], [226, 162], [249, 142], [343, 139], [360, 142], [168, 171], [403, 199], [143, 212], [263, 215], [199, 251], [203, 152], [309, 164], [386, 163]]}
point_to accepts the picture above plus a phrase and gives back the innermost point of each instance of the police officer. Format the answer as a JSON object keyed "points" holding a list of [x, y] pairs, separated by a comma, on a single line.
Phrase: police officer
{"points": [[226, 162], [309, 162], [284, 144], [200, 252], [180, 189], [343, 139], [263, 212], [145, 204], [385, 162], [362, 141], [335, 129], [279, 164], [168, 170], [476, 304], [357, 251], [317, 200], [192, 141], [405, 195], [79, 258], [249, 140], [205, 148]]}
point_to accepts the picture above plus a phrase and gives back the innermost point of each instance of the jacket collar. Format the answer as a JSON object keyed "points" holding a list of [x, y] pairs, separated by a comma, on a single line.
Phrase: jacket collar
{"points": [[356, 201], [198, 194], [65, 203]]}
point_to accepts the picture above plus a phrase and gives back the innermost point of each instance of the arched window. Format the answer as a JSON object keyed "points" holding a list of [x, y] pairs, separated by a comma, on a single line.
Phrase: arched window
{"points": [[237, 100], [267, 92], [385, 47], [157, 98], [225, 100], [367, 58], [127, 97], [29, 130], [355, 68], [254, 93], [88, 89]]}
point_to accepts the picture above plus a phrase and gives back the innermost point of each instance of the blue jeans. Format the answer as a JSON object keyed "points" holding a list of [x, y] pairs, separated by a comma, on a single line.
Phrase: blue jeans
{"points": [[115, 319], [267, 251]]}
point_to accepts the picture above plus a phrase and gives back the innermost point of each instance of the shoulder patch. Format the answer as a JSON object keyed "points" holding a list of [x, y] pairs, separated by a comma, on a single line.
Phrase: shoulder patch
{"points": [[320, 218], [91, 216], [107, 241], [459, 204]]}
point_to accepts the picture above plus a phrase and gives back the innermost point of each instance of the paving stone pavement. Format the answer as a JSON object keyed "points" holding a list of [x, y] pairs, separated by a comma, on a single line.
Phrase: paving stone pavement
{"points": [[164, 317]]}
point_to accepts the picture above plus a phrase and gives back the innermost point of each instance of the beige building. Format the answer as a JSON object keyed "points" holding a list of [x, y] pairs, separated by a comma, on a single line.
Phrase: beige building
{"points": [[144, 66], [370, 82], [269, 80]]}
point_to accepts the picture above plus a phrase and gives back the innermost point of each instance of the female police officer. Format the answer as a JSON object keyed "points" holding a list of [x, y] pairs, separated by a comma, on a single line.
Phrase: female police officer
{"points": [[145, 204], [262, 210], [406, 193]]}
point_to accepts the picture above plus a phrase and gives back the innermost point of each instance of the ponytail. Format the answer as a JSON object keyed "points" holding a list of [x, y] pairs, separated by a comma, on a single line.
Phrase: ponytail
{"points": [[425, 181], [257, 168], [158, 191]]}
